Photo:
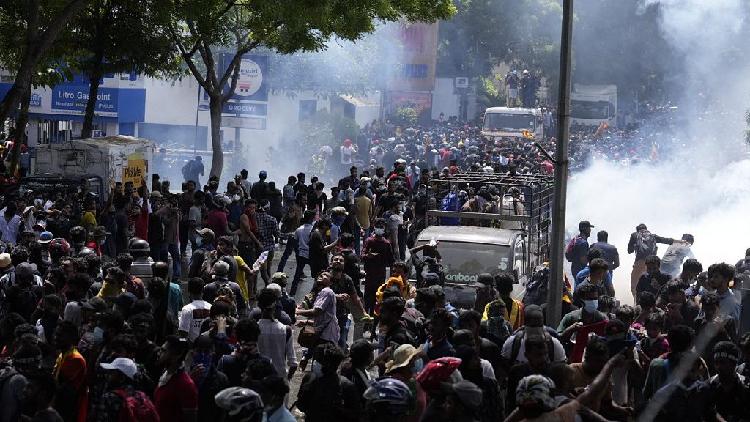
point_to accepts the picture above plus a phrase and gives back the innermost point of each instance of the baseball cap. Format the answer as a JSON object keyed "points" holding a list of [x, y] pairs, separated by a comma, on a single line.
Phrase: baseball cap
{"points": [[124, 365], [46, 237], [585, 225], [467, 392], [95, 304], [205, 232]]}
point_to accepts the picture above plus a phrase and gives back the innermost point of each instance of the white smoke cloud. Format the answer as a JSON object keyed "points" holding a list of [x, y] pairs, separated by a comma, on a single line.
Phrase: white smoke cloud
{"points": [[704, 188]]}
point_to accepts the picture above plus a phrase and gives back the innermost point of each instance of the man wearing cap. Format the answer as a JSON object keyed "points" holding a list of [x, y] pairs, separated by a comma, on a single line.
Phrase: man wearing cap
{"points": [[578, 248], [120, 379], [463, 401], [220, 274]]}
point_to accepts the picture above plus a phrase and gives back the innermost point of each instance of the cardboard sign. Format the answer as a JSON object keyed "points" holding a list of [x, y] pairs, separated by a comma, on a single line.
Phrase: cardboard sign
{"points": [[135, 170]]}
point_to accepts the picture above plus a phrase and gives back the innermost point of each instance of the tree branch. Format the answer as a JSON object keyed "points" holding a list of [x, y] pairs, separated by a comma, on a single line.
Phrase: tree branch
{"points": [[234, 69], [57, 25], [188, 59]]}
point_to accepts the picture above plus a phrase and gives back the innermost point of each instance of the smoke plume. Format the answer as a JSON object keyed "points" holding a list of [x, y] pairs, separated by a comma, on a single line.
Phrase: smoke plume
{"points": [[701, 187]]}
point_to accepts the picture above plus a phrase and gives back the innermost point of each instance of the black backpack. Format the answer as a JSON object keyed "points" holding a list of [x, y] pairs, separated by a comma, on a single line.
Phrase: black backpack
{"points": [[518, 339], [536, 289], [645, 243]]}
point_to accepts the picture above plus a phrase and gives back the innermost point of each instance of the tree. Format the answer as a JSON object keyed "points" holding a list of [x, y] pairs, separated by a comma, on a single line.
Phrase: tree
{"points": [[118, 36], [29, 29], [202, 28], [485, 33]]}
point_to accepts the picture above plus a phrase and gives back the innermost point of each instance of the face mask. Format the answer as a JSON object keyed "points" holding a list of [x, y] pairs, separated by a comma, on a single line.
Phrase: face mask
{"points": [[379, 232], [591, 305], [198, 241], [418, 366]]}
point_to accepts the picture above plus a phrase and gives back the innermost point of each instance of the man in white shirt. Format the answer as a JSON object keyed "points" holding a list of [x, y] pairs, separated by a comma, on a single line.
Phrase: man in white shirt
{"points": [[194, 313], [10, 224], [514, 349], [276, 341]]}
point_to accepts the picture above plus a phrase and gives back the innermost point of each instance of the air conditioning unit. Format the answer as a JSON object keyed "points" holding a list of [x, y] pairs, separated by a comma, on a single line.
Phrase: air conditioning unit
{"points": [[462, 82]]}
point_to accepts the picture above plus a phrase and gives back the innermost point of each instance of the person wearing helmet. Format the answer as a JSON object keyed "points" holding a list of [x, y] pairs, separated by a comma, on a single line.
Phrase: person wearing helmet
{"points": [[240, 405], [387, 400]]}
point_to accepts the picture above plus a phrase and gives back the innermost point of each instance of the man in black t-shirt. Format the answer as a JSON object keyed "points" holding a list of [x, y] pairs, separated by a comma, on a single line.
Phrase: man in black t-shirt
{"points": [[319, 248]]}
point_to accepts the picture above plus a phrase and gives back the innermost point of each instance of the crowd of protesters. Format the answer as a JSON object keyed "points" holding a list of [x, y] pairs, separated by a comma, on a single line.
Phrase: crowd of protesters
{"points": [[157, 305]]}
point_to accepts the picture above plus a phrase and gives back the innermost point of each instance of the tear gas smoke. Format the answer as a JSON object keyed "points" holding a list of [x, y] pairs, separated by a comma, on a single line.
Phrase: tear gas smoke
{"points": [[703, 187]]}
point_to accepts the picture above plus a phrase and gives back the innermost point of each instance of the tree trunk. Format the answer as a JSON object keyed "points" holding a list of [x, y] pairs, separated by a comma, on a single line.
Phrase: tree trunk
{"points": [[94, 80], [36, 47], [21, 84], [217, 159], [20, 130]]}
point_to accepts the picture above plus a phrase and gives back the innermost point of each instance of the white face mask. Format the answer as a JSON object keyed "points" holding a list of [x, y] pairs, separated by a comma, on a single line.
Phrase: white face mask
{"points": [[591, 305], [379, 232]]}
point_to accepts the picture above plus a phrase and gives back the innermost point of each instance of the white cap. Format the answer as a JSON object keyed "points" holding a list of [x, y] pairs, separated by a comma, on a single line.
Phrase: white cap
{"points": [[124, 365]]}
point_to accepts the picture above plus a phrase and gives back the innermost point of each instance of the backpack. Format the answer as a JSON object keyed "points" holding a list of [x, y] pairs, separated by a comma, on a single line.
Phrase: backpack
{"points": [[519, 337], [496, 326], [136, 407], [645, 243], [536, 289]]}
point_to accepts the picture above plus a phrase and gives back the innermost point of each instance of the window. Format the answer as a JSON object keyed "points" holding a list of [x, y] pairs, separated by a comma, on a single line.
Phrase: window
{"points": [[307, 109]]}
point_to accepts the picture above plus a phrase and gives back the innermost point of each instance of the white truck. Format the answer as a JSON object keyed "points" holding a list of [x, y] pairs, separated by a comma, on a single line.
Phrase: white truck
{"points": [[513, 122], [590, 105], [112, 158]]}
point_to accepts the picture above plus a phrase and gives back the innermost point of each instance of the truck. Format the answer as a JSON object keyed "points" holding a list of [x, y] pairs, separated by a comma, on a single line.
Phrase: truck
{"points": [[592, 105], [513, 122], [112, 159], [513, 236]]}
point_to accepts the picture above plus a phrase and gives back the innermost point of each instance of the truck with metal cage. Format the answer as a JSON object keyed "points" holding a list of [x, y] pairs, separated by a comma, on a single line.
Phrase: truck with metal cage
{"points": [[504, 228]]}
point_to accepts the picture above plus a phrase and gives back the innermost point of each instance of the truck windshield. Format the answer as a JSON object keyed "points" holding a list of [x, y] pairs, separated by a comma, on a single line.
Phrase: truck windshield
{"points": [[463, 262], [501, 121], [581, 109]]}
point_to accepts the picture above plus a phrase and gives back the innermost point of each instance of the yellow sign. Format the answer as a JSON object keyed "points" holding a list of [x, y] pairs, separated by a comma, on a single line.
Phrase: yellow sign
{"points": [[135, 170]]}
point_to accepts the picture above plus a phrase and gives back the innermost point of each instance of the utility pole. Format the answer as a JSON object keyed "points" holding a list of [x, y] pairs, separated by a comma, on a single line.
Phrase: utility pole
{"points": [[554, 292]]}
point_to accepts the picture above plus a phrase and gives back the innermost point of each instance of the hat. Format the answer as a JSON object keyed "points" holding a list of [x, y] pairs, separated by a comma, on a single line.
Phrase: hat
{"points": [[339, 211], [156, 194], [24, 269], [262, 173], [124, 365], [221, 268], [402, 357], [583, 225], [438, 371], [536, 389], [95, 304], [206, 232], [5, 260], [279, 278], [275, 288], [467, 392], [46, 237], [101, 231], [532, 311]]}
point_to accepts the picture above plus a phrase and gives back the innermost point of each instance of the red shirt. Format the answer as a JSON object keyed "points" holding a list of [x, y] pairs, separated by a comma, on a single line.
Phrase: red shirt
{"points": [[217, 221], [177, 394]]}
